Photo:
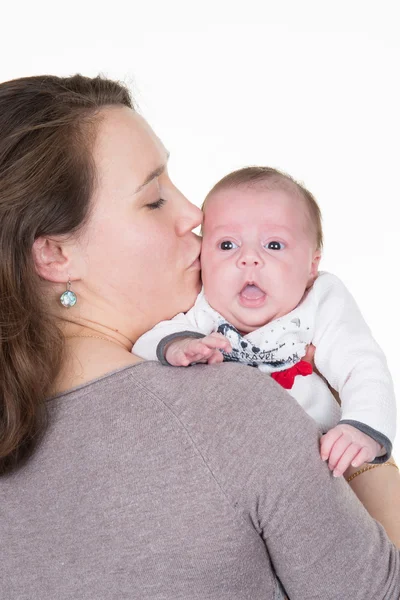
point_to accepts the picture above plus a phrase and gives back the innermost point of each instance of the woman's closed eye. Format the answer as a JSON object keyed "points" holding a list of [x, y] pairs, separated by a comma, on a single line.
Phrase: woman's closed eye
{"points": [[274, 245], [158, 204], [228, 245]]}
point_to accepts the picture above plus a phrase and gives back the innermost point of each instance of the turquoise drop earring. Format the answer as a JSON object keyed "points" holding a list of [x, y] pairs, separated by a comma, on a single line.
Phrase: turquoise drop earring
{"points": [[68, 298]]}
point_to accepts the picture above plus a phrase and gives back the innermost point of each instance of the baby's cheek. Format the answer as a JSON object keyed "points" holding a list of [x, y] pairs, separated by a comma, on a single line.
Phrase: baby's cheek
{"points": [[217, 287], [212, 270], [214, 286], [296, 285]]}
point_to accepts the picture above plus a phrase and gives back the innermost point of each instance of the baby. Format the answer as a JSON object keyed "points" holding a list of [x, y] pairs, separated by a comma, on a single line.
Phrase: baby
{"points": [[264, 303]]}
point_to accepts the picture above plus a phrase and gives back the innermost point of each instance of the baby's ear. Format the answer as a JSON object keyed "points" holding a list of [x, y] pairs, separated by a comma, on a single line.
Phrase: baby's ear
{"points": [[314, 266]]}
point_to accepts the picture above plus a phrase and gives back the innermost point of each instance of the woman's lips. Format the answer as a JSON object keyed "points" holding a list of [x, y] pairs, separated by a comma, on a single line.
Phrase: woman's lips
{"points": [[252, 296], [195, 265]]}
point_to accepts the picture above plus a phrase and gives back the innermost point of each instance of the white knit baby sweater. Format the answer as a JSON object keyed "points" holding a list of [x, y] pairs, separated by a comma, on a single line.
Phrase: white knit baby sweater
{"points": [[346, 355]]}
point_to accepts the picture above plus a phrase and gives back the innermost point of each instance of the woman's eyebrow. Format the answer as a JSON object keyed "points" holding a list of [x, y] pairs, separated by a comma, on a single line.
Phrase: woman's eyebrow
{"points": [[152, 175]]}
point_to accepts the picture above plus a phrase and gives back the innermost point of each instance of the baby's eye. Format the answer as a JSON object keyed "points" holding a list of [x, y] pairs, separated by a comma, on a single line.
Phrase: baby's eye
{"points": [[228, 245], [275, 245]]}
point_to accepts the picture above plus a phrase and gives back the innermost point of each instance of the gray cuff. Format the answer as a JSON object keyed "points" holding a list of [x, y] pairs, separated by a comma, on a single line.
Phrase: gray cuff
{"points": [[173, 336], [375, 435]]}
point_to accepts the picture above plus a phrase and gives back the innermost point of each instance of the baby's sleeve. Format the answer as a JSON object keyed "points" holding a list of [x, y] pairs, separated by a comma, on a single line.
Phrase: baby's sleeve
{"points": [[151, 344], [197, 323], [353, 363]]}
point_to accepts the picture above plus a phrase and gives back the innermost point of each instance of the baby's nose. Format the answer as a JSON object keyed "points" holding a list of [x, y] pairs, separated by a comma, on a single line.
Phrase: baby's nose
{"points": [[250, 259], [253, 262]]}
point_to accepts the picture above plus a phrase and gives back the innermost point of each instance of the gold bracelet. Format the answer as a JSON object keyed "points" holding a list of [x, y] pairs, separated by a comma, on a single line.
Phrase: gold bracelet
{"points": [[369, 468]]}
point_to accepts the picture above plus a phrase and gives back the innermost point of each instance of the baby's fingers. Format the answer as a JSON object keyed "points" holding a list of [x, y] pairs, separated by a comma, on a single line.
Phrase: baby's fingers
{"points": [[178, 358], [183, 357], [215, 358], [217, 341], [346, 460], [339, 448], [364, 455], [327, 442], [196, 350]]}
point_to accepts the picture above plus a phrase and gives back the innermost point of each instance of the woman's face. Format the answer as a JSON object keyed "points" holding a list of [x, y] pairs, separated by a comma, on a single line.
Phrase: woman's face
{"points": [[139, 253]]}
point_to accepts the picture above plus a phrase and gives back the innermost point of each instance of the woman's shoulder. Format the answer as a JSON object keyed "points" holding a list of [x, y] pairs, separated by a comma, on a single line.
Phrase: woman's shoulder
{"points": [[243, 425], [230, 402], [195, 394], [229, 420], [227, 405]]}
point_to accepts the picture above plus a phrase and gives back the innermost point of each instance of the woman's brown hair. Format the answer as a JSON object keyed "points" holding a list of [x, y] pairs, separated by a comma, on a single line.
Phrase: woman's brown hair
{"points": [[47, 177]]}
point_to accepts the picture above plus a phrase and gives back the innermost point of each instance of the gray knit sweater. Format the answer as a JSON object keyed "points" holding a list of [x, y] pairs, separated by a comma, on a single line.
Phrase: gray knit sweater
{"points": [[202, 483]]}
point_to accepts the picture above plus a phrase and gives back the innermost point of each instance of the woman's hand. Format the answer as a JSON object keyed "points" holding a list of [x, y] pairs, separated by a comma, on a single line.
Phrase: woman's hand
{"points": [[309, 355]]}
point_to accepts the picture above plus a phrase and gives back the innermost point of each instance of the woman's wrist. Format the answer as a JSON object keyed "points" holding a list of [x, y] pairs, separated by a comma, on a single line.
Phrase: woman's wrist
{"points": [[369, 467]]}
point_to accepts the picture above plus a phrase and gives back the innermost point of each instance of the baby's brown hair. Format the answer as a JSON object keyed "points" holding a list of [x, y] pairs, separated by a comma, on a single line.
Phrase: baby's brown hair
{"points": [[272, 179]]}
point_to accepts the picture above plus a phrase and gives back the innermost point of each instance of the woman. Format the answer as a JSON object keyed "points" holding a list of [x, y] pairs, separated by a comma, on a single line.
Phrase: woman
{"points": [[126, 479]]}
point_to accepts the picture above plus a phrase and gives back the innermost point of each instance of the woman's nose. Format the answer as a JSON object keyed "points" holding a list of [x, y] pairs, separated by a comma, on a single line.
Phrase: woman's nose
{"points": [[189, 218]]}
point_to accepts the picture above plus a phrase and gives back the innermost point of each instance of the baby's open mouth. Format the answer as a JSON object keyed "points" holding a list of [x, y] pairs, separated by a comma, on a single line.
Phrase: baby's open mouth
{"points": [[251, 296], [252, 292]]}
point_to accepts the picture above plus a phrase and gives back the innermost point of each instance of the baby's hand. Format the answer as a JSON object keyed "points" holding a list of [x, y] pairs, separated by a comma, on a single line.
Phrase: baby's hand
{"points": [[185, 351], [345, 445]]}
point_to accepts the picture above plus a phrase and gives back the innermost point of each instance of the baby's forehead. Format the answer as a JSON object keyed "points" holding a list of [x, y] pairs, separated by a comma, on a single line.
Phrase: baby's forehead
{"points": [[261, 199], [260, 204]]}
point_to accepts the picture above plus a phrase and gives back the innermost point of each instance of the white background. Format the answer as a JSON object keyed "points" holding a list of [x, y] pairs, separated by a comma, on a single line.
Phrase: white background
{"points": [[310, 87]]}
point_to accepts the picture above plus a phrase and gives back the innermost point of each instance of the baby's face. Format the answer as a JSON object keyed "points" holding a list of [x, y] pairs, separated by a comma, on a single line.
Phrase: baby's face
{"points": [[258, 255]]}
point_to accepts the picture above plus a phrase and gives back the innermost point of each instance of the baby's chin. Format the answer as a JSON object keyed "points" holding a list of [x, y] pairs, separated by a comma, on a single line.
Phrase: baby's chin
{"points": [[248, 320], [245, 320], [249, 325]]}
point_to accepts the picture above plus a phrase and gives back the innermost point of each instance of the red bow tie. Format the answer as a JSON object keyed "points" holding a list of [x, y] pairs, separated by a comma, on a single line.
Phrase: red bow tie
{"points": [[286, 378]]}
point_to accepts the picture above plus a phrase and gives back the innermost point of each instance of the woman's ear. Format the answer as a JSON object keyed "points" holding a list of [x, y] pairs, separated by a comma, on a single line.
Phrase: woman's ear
{"points": [[51, 260]]}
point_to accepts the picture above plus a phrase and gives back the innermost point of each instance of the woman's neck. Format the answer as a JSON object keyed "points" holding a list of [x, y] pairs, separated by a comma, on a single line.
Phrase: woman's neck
{"points": [[84, 328], [88, 357]]}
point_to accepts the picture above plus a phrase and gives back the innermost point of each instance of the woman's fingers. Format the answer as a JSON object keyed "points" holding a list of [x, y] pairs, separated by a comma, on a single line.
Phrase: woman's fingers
{"points": [[309, 356]]}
